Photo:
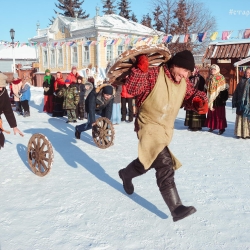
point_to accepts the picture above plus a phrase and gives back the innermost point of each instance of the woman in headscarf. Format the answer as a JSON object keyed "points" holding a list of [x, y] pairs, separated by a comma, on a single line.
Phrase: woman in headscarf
{"points": [[48, 86], [217, 93], [241, 101], [58, 102], [193, 120]]}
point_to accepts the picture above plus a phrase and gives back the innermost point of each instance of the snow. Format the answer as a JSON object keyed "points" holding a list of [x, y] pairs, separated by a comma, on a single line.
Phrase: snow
{"points": [[81, 203]]}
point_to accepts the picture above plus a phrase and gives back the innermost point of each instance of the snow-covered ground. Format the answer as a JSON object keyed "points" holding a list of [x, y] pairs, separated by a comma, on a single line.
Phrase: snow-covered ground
{"points": [[81, 203]]}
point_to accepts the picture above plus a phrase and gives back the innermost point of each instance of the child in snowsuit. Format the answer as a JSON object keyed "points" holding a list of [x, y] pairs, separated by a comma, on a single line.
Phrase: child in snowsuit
{"points": [[25, 97], [80, 109], [71, 99]]}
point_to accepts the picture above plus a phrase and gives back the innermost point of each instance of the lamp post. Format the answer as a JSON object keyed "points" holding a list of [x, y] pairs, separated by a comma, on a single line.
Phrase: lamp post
{"points": [[12, 36]]}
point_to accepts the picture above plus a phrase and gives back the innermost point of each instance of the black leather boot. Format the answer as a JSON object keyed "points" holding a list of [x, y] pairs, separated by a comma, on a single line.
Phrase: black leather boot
{"points": [[127, 174], [172, 199]]}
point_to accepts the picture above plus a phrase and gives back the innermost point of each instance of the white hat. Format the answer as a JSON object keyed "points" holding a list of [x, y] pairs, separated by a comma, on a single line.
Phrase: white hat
{"points": [[3, 78]]}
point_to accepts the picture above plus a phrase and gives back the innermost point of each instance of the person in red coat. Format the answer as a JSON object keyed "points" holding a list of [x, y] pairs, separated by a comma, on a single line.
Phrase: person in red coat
{"points": [[72, 76], [58, 102], [160, 92], [126, 98]]}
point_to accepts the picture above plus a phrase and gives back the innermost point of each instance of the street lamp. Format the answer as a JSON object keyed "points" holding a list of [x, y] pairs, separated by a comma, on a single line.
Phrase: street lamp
{"points": [[12, 36]]}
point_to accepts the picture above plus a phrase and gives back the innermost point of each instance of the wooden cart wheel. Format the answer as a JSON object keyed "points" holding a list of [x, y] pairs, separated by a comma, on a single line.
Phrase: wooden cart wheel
{"points": [[40, 154], [157, 54], [103, 133]]}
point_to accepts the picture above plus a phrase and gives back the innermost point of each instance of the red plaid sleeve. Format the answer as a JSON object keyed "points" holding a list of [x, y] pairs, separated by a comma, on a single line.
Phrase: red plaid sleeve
{"points": [[140, 84], [191, 92]]}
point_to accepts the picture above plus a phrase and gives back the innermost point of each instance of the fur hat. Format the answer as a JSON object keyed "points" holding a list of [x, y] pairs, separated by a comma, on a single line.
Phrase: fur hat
{"points": [[3, 78], [79, 77], [108, 90], [184, 59]]}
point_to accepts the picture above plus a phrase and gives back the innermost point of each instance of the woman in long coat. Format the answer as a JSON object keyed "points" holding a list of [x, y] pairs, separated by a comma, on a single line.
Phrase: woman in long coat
{"points": [[217, 93], [48, 86], [241, 101], [193, 120]]}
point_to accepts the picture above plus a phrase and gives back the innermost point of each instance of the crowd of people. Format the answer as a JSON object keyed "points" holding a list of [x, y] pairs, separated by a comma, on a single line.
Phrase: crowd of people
{"points": [[69, 97]]}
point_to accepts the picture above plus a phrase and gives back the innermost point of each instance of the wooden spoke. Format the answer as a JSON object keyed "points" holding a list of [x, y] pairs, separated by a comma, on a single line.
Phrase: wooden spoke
{"points": [[103, 135], [156, 54], [40, 154]]}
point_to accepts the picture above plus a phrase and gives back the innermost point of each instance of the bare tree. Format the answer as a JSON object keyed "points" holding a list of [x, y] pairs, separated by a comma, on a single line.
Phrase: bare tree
{"points": [[167, 15], [197, 16]]}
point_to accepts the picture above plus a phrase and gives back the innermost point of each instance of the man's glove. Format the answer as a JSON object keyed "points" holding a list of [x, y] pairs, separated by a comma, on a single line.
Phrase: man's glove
{"points": [[142, 63], [200, 105]]}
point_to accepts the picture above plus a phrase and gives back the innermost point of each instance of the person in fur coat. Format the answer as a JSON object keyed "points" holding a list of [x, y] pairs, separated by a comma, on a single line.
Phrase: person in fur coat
{"points": [[160, 92]]}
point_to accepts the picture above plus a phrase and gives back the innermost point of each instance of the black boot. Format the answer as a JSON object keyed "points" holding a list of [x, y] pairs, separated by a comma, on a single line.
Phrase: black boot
{"points": [[127, 174], [172, 199]]}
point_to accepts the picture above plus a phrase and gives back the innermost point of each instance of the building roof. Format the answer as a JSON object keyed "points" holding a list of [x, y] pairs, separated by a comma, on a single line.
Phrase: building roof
{"points": [[107, 23], [23, 52], [228, 50], [246, 60]]}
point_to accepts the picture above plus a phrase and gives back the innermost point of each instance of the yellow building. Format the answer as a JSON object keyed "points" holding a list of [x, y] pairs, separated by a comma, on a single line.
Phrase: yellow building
{"points": [[83, 42]]}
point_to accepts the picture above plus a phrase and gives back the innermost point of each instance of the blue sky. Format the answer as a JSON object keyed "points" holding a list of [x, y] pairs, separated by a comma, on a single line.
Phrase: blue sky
{"points": [[230, 15]]}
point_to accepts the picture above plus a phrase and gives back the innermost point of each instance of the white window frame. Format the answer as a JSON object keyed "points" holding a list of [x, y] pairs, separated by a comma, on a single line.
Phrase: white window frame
{"points": [[74, 55], [59, 64], [52, 58], [109, 53], [85, 55], [45, 58], [120, 49]]}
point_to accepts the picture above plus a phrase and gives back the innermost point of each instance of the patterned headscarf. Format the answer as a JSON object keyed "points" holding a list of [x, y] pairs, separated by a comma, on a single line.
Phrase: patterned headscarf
{"points": [[214, 85]]}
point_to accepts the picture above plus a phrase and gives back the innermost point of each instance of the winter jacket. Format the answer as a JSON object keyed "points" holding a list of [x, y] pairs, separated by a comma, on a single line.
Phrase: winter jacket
{"points": [[50, 91], [221, 99], [25, 92], [125, 93], [71, 96], [72, 78], [96, 104], [81, 90], [6, 109], [238, 95], [16, 86]]}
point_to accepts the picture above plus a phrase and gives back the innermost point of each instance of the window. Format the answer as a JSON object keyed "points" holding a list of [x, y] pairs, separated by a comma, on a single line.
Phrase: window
{"points": [[45, 58], [119, 50], [109, 53], [52, 58], [62, 29], [74, 55], [85, 54], [60, 57]]}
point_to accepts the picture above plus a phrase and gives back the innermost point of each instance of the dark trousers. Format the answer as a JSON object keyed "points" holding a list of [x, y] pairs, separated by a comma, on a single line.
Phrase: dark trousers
{"points": [[163, 164], [80, 110], [124, 108], [25, 105], [18, 106]]}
